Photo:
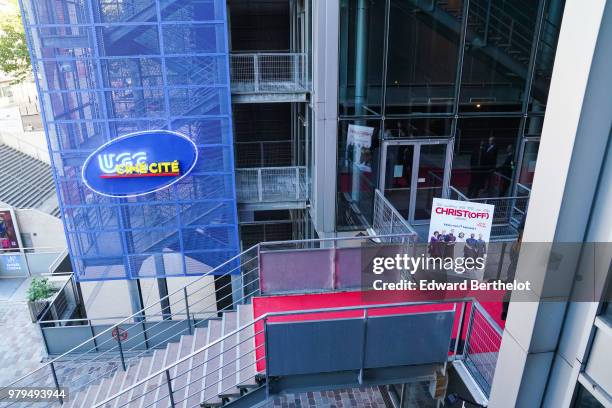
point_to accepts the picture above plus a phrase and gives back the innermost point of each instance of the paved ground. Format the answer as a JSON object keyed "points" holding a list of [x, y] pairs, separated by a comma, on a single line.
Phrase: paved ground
{"points": [[21, 346], [365, 397]]}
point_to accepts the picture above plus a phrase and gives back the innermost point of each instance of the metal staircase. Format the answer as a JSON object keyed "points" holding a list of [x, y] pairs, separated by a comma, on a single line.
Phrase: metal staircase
{"points": [[225, 371], [503, 31], [197, 355]]}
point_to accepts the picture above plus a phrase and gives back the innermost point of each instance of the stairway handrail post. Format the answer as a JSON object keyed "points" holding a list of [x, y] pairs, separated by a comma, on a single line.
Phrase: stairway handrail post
{"points": [[57, 387], [120, 347], [187, 310], [170, 392]]}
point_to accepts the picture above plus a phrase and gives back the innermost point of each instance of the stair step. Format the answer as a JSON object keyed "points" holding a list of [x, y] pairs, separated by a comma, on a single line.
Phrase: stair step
{"points": [[246, 350], [128, 379], [77, 399], [151, 386], [161, 397], [210, 397], [179, 374], [114, 386], [196, 373], [135, 395], [229, 357], [104, 388], [90, 397]]}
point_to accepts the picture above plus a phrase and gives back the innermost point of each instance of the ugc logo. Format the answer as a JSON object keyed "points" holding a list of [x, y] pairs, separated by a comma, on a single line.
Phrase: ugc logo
{"points": [[108, 162], [139, 163]]}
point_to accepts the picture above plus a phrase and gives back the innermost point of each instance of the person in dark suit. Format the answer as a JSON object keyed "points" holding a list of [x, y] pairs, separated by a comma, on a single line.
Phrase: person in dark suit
{"points": [[506, 170], [488, 159], [433, 244], [489, 154], [481, 247], [469, 251], [450, 240]]}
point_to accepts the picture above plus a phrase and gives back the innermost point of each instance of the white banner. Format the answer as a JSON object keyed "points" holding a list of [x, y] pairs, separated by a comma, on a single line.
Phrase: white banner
{"points": [[359, 143]]}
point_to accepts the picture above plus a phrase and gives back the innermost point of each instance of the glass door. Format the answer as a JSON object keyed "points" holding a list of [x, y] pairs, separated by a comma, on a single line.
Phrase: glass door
{"points": [[430, 179], [416, 171], [398, 176]]}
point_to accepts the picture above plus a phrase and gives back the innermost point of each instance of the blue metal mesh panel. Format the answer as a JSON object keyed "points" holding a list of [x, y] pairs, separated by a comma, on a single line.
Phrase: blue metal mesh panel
{"points": [[106, 68]]}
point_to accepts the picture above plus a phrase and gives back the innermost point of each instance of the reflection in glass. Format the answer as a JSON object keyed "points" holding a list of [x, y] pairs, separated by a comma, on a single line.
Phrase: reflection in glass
{"points": [[429, 183], [545, 58], [398, 177], [527, 167], [483, 158], [497, 52], [584, 399], [422, 58], [357, 172], [361, 56], [417, 128]]}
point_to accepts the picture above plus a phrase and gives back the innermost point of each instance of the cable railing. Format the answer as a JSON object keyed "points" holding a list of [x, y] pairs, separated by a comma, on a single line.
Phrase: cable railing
{"points": [[119, 344], [124, 341], [265, 72], [174, 381], [481, 349], [387, 220], [271, 184], [508, 210]]}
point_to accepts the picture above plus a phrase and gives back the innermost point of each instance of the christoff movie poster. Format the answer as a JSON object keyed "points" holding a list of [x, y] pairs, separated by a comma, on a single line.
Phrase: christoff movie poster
{"points": [[461, 228]]}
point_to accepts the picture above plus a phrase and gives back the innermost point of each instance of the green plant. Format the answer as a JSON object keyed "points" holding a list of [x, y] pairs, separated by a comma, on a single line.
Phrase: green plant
{"points": [[39, 289], [14, 55]]}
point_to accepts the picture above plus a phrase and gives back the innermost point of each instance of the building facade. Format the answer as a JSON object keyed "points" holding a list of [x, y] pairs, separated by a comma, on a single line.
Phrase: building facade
{"points": [[109, 69], [305, 111]]}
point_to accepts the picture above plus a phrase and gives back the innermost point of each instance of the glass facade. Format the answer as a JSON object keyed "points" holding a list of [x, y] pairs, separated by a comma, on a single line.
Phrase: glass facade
{"points": [[106, 68], [473, 73]]}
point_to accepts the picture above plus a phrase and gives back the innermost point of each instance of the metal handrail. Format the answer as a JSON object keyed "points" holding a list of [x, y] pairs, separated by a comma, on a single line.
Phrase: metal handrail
{"points": [[488, 317], [58, 260], [136, 316], [47, 250], [135, 319], [380, 196], [266, 53], [276, 314]]}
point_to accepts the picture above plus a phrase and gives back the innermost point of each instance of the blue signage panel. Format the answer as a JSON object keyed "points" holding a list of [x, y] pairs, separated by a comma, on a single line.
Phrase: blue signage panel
{"points": [[139, 163]]}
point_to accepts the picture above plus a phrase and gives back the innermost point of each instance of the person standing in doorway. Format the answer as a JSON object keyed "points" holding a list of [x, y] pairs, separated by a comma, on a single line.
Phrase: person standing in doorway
{"points": [[489, 162], [506, 170]]}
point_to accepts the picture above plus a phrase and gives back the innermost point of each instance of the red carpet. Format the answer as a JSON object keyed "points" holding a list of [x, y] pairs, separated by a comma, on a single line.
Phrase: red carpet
{"points": [[269, 304]]}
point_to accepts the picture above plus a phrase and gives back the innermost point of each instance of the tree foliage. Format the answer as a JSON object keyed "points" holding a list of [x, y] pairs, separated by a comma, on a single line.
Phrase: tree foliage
{"points": [[14, 56]]}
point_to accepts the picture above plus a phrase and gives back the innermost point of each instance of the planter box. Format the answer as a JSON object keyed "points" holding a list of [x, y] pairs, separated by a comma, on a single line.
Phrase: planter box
{"points": [[36, 308]]}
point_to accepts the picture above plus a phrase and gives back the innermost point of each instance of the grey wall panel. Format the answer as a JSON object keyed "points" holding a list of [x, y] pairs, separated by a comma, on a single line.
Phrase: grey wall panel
{"points": [[134, 340], [295, 348], [63, 339], [162, 332], [408, 340], [312, 347]]}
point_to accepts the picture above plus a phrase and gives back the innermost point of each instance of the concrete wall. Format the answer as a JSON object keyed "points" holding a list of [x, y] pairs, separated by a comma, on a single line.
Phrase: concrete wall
{"points": [[46, 231], [325, 111], [32, 143]]}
